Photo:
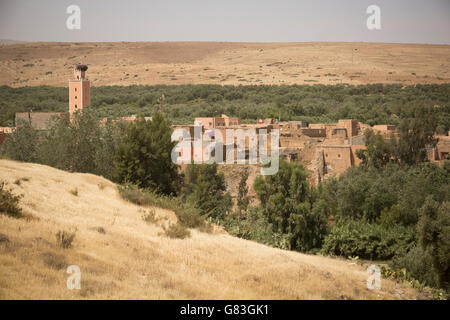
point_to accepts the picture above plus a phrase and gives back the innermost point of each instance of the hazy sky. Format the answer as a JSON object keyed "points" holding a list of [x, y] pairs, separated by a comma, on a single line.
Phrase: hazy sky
{"points": [[406, 21]]}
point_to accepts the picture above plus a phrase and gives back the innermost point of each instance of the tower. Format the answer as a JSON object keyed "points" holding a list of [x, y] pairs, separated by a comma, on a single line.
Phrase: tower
{"points": [[79, 90]]}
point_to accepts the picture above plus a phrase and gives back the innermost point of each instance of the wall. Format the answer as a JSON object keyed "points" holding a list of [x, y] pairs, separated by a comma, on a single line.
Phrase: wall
{"points": [[337, 158]]}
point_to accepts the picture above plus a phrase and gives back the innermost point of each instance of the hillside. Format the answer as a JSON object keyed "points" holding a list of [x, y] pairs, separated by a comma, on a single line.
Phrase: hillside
{"points": [[122, 256], [128, 63]]}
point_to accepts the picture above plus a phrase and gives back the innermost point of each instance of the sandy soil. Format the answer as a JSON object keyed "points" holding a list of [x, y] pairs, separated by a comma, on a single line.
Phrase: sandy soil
{"points": [[122, 63]]}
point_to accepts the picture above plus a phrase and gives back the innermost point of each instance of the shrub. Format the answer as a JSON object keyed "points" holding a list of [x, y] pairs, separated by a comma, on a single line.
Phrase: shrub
{"points": [[369, 240], [74, 192], [177, 231], [54, 261], [101, 230], [434, 231], [64, 239], [9, 203], [419, 265], [186, 214], [150, 217], [254, 226], [22, 144]]}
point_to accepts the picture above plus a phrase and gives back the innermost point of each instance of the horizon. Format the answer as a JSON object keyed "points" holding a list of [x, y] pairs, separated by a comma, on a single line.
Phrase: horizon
{"points": [[214, 41], [402, 21]]}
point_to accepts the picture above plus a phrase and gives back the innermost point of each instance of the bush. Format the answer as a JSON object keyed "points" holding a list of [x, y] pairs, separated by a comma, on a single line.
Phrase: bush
{"points": [[186, 214], [434, 232], [9, 203], [74, 192], [369, 240], [22, 144], [177, 230], [64, 239], [150, 217], [419, 264], [254, 226]]}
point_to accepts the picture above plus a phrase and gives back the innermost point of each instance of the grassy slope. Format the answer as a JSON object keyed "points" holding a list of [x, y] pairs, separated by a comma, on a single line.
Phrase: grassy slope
{"points": [[134, 260]]}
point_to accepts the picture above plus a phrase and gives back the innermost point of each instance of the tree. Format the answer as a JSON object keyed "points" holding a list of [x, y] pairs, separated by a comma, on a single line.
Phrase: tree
{"points": [[205, 188], [415, 135], [434, 231], [285, 200], [378, 152], [144, 157], [22, 144], [243, 200]]}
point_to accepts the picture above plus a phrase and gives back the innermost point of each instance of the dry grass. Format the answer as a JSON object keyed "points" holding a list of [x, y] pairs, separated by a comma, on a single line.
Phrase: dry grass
{"points": [[127, 63], [133, 259]]}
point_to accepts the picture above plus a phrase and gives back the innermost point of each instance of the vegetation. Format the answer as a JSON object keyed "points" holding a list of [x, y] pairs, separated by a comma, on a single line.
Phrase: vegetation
{"points": [[242, 199], [64, 239], [9, 203], [368, 240], [83, 145], [205, 189], [372, 104], [415, 135], [434, 231], [144, 157], [177, 230], [186, 214]]}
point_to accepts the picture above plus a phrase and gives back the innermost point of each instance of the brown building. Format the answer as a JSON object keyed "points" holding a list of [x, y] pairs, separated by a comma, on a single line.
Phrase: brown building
{"points": [[215, 122]]}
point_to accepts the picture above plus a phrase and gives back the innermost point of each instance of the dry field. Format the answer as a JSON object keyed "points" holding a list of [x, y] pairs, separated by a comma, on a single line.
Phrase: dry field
{"points": [[127, 63], [130, 258]]}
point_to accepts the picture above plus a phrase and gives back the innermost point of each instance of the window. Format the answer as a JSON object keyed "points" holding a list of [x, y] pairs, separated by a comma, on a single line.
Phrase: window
{"points": [[75, 89], [75, 97], [75, 106], [339, 155]]}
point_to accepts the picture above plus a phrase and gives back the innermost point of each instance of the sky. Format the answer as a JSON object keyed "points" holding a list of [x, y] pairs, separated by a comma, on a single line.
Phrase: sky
{"points": [[402, 21]]}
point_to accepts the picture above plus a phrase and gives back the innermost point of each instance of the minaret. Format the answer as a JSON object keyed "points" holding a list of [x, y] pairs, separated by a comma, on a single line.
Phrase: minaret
{"points": [[79, 95]]}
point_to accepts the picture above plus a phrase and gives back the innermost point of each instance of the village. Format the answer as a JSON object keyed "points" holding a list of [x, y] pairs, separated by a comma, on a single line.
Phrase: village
{"points": [[325, 149]]}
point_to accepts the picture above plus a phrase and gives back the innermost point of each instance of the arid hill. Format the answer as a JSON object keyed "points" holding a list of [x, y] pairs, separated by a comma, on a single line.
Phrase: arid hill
{"points": [[122, 256], [127, 63]]}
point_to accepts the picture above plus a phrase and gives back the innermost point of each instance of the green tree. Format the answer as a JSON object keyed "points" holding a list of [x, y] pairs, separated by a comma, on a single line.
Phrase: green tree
{"points": [[144, 157], [22, 144], [378, 152], [285, 199], [415, 135], [206, 189], [73, 145], [434, 231], [242, 199]]}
